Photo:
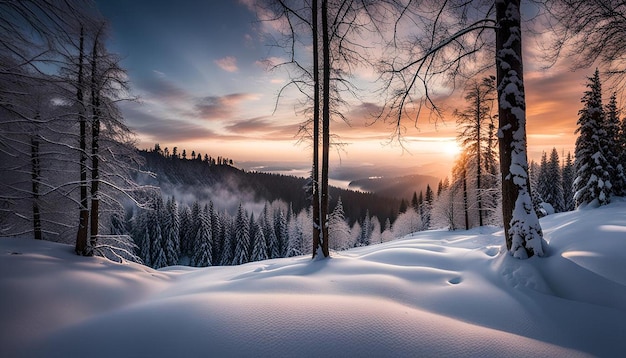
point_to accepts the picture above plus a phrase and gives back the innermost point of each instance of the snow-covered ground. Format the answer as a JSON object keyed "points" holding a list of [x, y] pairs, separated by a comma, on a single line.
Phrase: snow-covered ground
{"points": [[437, 293]]}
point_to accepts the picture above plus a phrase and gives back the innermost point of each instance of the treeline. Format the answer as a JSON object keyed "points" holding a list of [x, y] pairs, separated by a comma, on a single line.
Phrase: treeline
{"points": [[204, 181], [169, 233], [176, 154]]}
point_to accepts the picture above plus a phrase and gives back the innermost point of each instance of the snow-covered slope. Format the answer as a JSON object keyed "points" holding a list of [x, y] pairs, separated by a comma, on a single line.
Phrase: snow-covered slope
{"points": [[431, 294]]}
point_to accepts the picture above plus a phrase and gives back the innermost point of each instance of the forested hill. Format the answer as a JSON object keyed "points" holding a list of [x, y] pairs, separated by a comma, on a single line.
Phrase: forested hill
{"points": [[396, 187], [190, 180]]}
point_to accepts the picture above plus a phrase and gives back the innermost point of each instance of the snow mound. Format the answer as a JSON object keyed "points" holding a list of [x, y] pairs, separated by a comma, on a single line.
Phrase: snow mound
{"points": [[434, 293]]}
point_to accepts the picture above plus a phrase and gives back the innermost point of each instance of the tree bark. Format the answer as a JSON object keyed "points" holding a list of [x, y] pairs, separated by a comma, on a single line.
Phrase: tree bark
{"points": [[81, 235], [35, 180], [317, 224], [521, 226], [95, 137], [479, 119], [325, 127]]}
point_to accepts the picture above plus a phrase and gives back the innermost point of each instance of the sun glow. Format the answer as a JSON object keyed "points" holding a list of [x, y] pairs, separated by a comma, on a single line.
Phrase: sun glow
{"points": [[450, 148]]}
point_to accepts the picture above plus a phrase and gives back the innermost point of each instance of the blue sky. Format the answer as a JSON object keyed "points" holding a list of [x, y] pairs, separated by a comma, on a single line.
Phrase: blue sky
{"points": [[197, 67]]}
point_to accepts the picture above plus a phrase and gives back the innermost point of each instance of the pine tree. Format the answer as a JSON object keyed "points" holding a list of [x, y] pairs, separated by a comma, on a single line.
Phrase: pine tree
{"points": [[171, 234], [621, 143], [426, 208], [568, 183], [366, 231], [216, 230], [203, 241], [612, 149], [555, 194], [227, 239], [281, 231], [184, 231], [339, 230], [242, 237], [404, 205], [415, 204], [259, 247], [592, 184], [267, 225]]}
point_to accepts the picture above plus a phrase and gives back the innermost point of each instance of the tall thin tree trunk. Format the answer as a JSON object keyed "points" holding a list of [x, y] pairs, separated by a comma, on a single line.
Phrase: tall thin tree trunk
{"points": [[317, 224], [465, 198], [81, 235], [95, 138], [325, 127], [521, 224], [35, 180], [478, 158]]}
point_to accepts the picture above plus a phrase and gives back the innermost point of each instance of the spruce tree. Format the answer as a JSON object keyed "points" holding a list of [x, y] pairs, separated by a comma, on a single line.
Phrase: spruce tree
{"points": [[568, 183], [281, 231], [612, 149], [339, 230], [227, 241], [203, 245], [555, 194], [171, 235], [592, 184], [184, 232], [242, 237], [366, 231], [259, 247], [621, 143]]}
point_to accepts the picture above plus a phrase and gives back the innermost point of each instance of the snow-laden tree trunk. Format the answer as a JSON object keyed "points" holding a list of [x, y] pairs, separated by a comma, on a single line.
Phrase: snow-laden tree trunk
{"points": [[325, 129], [317, 224], [36, 181], [81, 235], [95, 149], [523, 233]]}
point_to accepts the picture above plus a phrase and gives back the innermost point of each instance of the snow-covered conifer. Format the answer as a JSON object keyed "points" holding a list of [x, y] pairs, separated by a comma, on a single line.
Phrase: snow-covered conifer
{"points": [[568, 183], [242, 237], [259, 247], [612, 147], [338, 228], [203, 245], [592, 184]]}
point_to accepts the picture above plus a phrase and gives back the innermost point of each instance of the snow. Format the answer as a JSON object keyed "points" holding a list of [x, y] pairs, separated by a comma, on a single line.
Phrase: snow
{"points": [[433, 293]]}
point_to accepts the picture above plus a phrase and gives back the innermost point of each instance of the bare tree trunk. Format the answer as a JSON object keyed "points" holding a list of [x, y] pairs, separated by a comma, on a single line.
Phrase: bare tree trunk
{"points": [[317, 224], [325, 127], [81, 236], [35, 180], [521, 224], [479, 153], [465, 199], [95, 137]]}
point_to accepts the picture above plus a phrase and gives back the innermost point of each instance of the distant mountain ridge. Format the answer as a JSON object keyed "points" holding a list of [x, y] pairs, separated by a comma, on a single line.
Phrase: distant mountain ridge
{"points": [[189, 180], [396, 187]]}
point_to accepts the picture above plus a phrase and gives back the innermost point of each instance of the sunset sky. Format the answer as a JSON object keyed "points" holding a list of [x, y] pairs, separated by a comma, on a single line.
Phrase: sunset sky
{"points": [[197, 67]]}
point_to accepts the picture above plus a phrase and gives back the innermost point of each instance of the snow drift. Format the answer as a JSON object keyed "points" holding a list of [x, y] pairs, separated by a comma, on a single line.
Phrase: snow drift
{"points": [[434, 293]]}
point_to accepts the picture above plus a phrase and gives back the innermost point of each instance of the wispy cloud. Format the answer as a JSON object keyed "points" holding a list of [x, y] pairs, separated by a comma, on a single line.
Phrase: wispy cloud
{"points": [[221, 107], [159, 86], [228, 64], [154, 127], [263, 127]]}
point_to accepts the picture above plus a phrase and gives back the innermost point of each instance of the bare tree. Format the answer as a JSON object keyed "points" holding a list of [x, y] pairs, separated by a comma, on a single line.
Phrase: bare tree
{"points": [[474, 121], [458, 31], [590, 32], [328, 26], [44, 131]]}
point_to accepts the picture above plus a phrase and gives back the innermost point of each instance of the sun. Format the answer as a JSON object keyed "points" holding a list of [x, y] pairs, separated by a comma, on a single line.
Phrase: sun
{"points": [[451, 148]]}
